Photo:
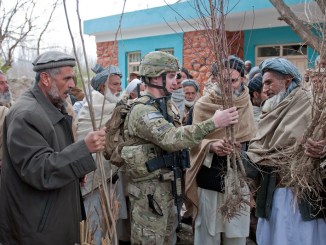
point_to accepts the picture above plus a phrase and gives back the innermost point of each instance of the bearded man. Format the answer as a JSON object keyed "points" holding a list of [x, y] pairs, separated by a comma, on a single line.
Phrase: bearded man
{"points": [[283, 219], [106, 88], [205, 178], [40, 200], [107, 82], [5, 94]]}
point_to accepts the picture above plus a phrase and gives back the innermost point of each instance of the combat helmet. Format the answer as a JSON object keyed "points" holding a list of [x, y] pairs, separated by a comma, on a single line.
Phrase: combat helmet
{"points": [[156, 64]]}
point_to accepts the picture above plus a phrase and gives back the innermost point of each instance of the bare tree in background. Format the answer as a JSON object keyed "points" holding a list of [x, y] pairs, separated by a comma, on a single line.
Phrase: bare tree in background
{"points": [[308, 31], [19, 23], [54, 6]]}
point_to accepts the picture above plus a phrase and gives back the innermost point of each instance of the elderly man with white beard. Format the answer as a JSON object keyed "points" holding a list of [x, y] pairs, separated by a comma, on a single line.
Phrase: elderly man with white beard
{"points": [[5, 93], [205, 184], [106, 89], [284, 218], [5, 103]]}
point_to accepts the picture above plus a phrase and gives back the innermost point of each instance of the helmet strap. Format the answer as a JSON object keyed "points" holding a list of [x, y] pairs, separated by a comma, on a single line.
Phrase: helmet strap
{"points": [[166, 92]]}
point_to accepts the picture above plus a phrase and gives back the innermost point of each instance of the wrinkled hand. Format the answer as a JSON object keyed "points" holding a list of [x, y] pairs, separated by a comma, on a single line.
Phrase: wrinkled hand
{"points": [[225, 118], [95, 140], [316, 149], [221, 148]]}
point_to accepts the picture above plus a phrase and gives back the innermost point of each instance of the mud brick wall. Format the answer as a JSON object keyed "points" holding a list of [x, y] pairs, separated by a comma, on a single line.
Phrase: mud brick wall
{"points": [[107, 53]]}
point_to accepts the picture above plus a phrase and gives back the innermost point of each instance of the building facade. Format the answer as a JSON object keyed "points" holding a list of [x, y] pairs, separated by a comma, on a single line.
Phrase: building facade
{"points": [[253, 30]]}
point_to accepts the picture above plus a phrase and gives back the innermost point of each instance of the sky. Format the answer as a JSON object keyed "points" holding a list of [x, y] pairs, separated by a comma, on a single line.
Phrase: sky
{"points": [[90, 9], [57, 36]]}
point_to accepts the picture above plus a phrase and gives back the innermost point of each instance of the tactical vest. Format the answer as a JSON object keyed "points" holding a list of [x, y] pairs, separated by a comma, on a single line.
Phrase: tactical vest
{"points": [[137, 154]]}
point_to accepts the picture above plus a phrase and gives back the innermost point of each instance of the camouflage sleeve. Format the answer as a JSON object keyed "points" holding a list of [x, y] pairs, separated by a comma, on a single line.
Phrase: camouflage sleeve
{"points": [[146, 122]]}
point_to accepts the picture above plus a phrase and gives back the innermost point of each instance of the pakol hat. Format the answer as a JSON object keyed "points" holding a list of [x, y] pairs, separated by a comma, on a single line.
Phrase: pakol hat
{"points": [[53, 59]]}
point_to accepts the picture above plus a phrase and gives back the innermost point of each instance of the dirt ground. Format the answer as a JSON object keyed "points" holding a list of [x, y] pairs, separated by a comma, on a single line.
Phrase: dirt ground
{"points": [[185, 236]]}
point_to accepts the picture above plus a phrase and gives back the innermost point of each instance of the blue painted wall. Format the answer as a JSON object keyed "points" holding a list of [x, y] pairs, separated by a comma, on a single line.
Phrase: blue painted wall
{"points": [[175, 12], [270, 36], [146, 45]]}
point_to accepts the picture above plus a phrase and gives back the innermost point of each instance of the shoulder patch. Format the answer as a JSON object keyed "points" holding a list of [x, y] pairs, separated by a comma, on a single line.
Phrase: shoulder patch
{"points": [[154, 115]]}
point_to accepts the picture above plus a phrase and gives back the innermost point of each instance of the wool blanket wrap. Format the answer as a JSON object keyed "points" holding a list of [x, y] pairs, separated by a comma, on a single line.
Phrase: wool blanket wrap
{"points": [[205, 108], [280, 127]]}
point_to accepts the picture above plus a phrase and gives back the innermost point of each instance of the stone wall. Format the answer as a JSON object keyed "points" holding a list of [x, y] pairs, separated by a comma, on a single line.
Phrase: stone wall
{"points": [[107, 53], [197, 53]]}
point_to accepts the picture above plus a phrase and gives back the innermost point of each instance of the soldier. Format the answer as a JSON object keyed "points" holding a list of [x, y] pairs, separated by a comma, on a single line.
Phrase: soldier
{"points": [[149, 124]]}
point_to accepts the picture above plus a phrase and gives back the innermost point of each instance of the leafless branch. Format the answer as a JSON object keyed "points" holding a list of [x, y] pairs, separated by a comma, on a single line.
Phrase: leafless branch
{"points": [[322, 6], [46, 26], [298, 26]]}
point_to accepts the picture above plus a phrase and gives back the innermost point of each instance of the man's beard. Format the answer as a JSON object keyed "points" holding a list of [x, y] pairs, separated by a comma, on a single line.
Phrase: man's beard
{"points": [[236, 92], [189, 103], [271, 103], [5, 97], [54, 96], [112, 98]]}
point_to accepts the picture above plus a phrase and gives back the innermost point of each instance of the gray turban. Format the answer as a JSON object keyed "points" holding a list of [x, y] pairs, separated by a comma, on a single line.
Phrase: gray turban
{"points": [[102, 75], [255, 70], [53, 59], [282, 66]]}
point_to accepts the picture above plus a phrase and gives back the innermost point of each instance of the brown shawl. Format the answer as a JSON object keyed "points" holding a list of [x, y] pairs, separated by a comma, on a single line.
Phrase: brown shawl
{"points": [[205, 108], [281, 127]]}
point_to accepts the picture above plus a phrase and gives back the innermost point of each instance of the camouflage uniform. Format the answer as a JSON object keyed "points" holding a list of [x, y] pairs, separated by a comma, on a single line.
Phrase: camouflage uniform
{"points": [[155, 134]]}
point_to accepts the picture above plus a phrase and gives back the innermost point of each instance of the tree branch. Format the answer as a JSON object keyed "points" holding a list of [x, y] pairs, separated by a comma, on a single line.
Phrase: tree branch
{"points": [[297, 25], [322, 6], [39, 39]]}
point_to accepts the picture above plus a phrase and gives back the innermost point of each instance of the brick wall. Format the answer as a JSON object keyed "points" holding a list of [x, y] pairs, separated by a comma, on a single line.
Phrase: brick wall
{"points": [[197, 53], [107, 53]]}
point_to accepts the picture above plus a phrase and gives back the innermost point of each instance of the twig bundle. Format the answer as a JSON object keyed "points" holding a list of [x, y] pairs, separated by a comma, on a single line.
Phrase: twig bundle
{"points": [[302, 173]]}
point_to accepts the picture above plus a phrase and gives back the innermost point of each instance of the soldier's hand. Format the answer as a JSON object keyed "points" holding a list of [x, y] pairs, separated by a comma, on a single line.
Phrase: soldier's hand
{"points": [[95, 140], [221, 148], [225, 118], [316, 149]]}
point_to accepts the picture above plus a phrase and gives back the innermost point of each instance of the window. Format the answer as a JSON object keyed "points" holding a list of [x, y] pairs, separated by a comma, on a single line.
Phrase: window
{"points": [[133, 62], [269, 51], [296, 53], [282, 50], [289, 50], [167, 50]]}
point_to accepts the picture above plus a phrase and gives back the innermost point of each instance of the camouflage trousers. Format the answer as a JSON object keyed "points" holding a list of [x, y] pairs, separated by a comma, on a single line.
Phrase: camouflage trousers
{"points": [[151, 224]]}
